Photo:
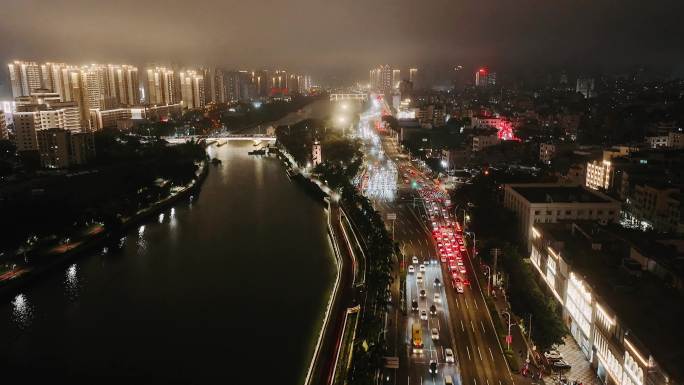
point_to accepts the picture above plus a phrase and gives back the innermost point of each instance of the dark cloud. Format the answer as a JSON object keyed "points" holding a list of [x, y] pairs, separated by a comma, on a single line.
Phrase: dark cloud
{"points": [[346, 36]]}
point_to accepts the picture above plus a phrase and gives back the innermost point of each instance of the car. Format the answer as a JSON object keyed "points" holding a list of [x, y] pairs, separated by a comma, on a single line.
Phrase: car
{"points": [[561, 365], [414, 305], [459, 287], [414, 259], [432, 367], [421, 267], [423, 315], [438, 283], [459, 262], [462, 269], [553, 355], [419, 278], [438, 298], [448, 380], [433, 309], [422, 293], [411, 269], [434, 333], [462, 248], [449, 356]]}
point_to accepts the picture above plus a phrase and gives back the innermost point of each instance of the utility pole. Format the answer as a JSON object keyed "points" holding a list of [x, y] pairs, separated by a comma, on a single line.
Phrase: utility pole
{"points": [[495, 254]]}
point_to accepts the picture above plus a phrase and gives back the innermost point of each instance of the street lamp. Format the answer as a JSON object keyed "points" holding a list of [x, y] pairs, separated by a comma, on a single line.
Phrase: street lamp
{"points": [[489, 276], [509, 338]]}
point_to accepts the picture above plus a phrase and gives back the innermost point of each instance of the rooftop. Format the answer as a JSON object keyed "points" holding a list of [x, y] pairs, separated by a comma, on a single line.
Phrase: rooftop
{"points": [[642, 302], [553, 193]]}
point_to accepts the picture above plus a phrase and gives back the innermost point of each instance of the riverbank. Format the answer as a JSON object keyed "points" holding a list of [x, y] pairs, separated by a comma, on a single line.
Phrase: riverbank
{"points": [[325, 361], [28, 274]]}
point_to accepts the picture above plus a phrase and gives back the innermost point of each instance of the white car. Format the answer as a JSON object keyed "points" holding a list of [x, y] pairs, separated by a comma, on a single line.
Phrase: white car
{"points": [[421, 267], [434, 333], [438, 298], [459, 288], [411, 269], [419, 278], [414, 259], [423, 315], [449, 356]]}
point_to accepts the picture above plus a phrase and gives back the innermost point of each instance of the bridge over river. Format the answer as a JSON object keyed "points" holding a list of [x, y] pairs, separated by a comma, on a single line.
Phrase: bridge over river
{"points": [[222, 138]]}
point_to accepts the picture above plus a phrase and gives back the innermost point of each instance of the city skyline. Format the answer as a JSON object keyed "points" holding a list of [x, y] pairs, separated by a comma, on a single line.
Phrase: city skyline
{"points": [[566, 35]]}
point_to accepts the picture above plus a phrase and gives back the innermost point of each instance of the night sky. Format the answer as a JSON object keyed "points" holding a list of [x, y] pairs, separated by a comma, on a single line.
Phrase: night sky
{"points": [[347, 37]]}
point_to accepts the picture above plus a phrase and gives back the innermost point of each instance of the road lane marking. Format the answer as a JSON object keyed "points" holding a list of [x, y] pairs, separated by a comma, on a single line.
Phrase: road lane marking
{"points": [[487, 381], [462, 328], [475, 301], [466, 303], [468, 350], [472, 326], [492, 355], [479, 353], [483, 328]]}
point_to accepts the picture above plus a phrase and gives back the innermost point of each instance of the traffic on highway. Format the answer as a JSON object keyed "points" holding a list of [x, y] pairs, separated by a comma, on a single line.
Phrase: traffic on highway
{"points": [[444, 333]]}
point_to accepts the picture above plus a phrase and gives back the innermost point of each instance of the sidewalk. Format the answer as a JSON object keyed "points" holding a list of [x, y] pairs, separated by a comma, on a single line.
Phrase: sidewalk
{"points": [[520, 345], [581, 370]]}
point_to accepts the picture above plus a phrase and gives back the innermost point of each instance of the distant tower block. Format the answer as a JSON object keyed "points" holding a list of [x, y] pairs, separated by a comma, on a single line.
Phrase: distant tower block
{"points": [[316, 156]]}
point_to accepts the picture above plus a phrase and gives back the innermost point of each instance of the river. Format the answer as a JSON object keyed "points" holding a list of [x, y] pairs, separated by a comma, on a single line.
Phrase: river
{"points": [[230, 287]]}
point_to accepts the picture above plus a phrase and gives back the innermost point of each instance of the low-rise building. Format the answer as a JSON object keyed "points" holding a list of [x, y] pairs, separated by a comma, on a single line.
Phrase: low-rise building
{"points": [[673, 139], [658, 206], [480, 142], [657, 141], [62, 148], [549, 203], [625, 320], [599, 174], [100, 119], [430, 115]]}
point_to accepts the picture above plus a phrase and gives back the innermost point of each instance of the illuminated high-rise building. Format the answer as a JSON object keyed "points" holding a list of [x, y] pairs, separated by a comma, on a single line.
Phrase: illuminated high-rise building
{"points": [[585, 86], [219, 86], [247, 85], [3, 126], [192, 88], [123, 84], [97, 87], [304, 83], [481, 77], [262, 81], [381, 79], [161, 86], [396, 78], [25, 77], [279, 79], [413, 73]]}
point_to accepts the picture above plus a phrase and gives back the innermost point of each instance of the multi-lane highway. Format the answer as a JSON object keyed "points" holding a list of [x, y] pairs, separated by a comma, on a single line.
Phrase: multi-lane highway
{"points": [[461, 319]]}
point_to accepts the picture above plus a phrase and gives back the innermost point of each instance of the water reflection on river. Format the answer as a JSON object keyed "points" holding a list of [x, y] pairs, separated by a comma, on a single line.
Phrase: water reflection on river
{"points": [[230, 287]]}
